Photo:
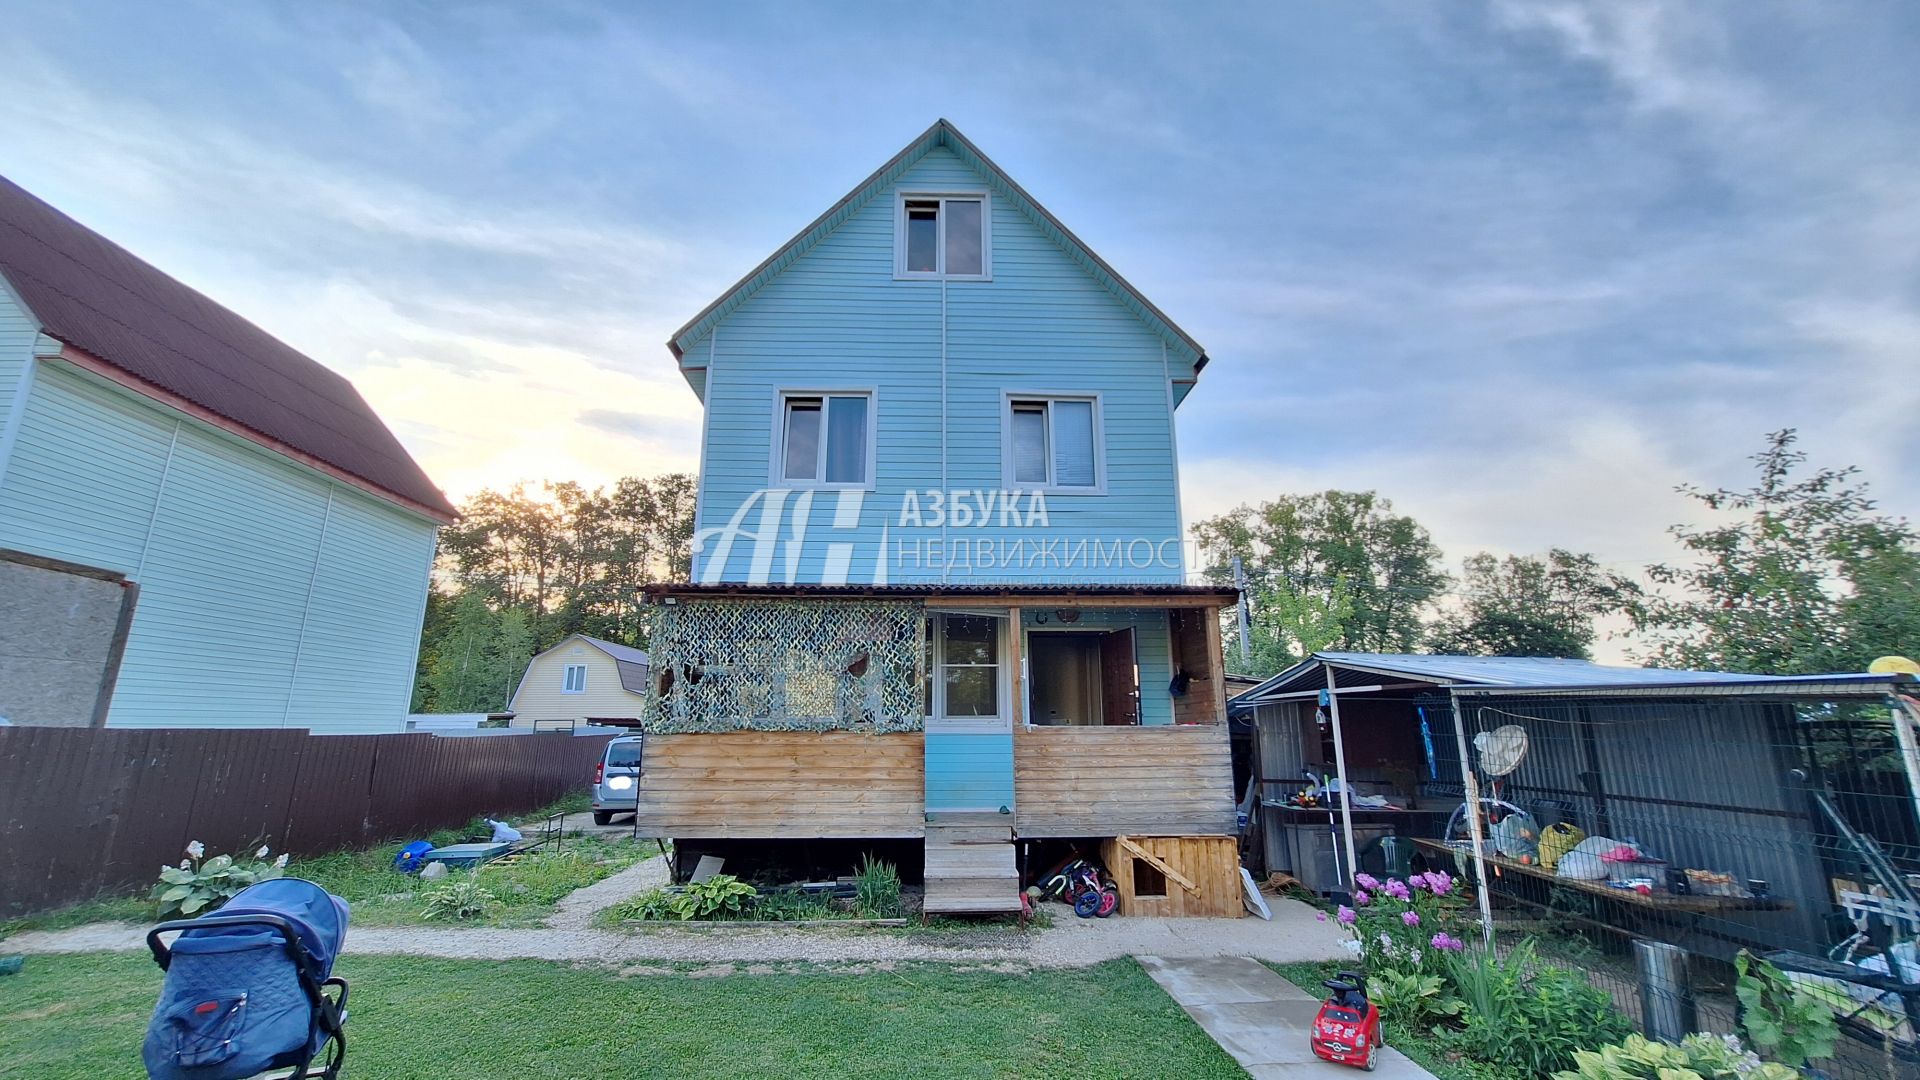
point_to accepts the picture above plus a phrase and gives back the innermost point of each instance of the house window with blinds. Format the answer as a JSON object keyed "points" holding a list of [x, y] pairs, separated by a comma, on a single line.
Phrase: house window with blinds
{"points": [[1053, 444], [825, 440]]}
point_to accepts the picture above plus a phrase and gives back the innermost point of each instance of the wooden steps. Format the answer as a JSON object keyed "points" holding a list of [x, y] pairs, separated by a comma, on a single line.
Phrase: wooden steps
{"points": [[970, 867]]}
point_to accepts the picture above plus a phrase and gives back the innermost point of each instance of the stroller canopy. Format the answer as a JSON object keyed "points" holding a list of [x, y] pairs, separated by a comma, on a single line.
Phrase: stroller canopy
{"points": [[318, 918]]}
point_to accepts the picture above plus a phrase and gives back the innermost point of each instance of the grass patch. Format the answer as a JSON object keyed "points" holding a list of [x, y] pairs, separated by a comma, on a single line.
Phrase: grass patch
{"points": [[526, 890], [82, 1017], [1442, 1055]]}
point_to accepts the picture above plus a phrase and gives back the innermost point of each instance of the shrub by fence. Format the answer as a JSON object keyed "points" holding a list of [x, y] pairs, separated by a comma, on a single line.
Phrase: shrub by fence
{"points": [[87, 811]]}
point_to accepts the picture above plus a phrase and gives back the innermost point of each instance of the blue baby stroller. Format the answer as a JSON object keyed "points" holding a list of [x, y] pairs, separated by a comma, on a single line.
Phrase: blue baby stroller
{"points": [[246, 988]]}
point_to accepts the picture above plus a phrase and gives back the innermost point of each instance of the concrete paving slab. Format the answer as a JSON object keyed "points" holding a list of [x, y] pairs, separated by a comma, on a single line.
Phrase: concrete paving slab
{"points": [[1219, 980], [1258, 1017]]}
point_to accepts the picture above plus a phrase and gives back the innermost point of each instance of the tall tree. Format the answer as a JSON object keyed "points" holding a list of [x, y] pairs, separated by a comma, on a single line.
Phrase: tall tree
{"points": [[1526, 605], [1339, 562], [1805, 578]]}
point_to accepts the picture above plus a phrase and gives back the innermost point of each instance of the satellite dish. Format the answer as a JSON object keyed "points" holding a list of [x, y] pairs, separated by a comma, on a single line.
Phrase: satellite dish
{"points": [[1501, 749]]}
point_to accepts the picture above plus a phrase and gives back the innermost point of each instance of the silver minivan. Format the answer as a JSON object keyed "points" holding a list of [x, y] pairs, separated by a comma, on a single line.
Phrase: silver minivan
{"points": [[616, 780]]}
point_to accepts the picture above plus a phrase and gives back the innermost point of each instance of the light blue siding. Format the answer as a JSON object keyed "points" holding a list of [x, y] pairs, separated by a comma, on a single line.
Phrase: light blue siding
{"points": [[1152, 648], [836, 318], [259, 605], [969, 772]]}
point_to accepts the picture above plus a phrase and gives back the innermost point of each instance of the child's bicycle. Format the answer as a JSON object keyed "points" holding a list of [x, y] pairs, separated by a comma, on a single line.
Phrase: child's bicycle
{"points": [[1081, 884]]}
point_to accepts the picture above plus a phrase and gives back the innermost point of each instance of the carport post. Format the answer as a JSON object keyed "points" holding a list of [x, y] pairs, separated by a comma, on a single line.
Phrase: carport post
{"points": [[1340, 764], [1471, 785], [1909, 747]]}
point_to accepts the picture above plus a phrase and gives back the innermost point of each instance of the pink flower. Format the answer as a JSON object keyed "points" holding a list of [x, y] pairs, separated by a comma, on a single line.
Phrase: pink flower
{"points": [[1319, 916], [1366, 881], [1439, 883], [1411, 918], [1345, 915], [1396, 889], [1360, 897], [1447, 942]]}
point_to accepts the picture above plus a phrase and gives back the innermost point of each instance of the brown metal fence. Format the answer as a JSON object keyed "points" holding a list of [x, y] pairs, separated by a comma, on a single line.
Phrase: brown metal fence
{"points": [[91, 811]]}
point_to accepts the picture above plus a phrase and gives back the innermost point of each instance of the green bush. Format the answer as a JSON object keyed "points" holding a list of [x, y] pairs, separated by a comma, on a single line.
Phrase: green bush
{"points": [[200, 884], [1530, 1017], [721, 896], [876, 889], [1781, 1020], [1698, 1057], [459, 898]]}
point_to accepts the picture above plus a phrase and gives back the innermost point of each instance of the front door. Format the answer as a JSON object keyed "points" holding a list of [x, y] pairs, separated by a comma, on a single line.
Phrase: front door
{"points": [[969, 754], [1119, 678]]}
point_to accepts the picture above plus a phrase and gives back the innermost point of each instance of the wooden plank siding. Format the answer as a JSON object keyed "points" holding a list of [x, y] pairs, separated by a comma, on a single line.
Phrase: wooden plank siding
{"points": [[1195, 644], [1099, 781], [792, 784], [1212, 863]]}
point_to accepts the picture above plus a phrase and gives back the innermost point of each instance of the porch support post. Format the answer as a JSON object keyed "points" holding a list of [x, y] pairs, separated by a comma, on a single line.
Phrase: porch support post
{"points": [[1216, 664], [1017, 668], [1340, 765], [1471, 786]]}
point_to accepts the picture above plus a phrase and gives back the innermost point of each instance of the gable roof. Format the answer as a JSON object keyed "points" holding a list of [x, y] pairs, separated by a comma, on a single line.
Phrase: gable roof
{"points": [[96, 297], [629, 661], [941, 134]]}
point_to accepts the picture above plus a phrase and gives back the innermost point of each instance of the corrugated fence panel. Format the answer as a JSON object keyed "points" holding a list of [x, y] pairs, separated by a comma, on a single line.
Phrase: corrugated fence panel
{"points": [[89, 811]]}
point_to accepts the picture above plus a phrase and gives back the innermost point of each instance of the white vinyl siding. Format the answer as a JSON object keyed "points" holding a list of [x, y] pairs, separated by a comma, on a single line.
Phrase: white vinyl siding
{"points": [[270, 595]]}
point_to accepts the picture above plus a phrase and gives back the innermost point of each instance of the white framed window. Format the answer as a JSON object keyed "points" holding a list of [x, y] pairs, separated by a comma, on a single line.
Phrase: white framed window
{"points": [[824, 439], [967, 682], [573, 679], [943, 235], [1053, 443]]}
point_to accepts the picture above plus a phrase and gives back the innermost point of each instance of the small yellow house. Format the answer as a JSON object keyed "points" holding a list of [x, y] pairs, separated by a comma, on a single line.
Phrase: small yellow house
{"points": [[582, 679]]}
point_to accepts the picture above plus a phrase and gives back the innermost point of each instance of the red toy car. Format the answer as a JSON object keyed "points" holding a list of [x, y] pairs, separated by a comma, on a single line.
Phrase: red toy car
{"points": [[1347, 1029]]}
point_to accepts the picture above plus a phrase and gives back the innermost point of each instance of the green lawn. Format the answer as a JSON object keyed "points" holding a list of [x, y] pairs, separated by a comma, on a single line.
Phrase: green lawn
{"points": [[83, 1016], [526, 890]]}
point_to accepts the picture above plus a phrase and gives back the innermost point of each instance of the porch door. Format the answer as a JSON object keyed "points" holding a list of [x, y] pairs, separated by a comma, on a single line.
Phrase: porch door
{"points": [[970, 680], [1119, 679]]}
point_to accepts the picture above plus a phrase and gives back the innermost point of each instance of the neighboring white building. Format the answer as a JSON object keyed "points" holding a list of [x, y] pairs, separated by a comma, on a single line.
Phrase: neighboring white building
{"points": [[273, 538], [579, 680]]}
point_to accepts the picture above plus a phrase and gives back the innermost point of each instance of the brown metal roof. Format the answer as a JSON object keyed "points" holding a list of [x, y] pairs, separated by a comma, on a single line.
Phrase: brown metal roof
{"points": [[1214, 593], [97, 297]]}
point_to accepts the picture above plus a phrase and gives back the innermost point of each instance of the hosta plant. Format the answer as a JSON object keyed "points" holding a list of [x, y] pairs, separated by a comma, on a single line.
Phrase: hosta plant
{"points": [[1697, 1057], [1412, 1001], [721, 896], [461, 898], [199, 884]]}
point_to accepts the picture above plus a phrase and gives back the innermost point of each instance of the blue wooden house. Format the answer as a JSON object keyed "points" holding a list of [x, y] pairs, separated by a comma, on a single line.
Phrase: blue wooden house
{"points": [[274, 537], [938, 588]]}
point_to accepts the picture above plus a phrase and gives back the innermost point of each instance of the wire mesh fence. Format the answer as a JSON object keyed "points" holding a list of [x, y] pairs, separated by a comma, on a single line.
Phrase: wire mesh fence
{"points": [[1646, 841], [1649, 841]]}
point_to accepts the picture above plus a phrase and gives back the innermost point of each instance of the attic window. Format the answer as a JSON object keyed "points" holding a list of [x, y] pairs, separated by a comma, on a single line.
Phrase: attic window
{"points": [[943, 236], [573, 679]]}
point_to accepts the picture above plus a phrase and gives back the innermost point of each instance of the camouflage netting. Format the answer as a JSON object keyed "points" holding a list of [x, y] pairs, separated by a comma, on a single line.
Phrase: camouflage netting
{"points": [[786, 665]]}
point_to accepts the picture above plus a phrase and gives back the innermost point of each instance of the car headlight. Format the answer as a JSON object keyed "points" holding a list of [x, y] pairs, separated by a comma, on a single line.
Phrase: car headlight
{"points": [[619, 783]]}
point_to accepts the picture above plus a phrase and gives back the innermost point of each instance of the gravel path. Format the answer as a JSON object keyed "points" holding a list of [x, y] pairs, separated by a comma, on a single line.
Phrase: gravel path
{"points": [[1293, 935], [575, 910]]}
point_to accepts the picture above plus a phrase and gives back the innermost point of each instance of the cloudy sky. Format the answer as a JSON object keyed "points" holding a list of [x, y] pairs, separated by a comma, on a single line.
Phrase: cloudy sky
{"points": [[1520, 266]]}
